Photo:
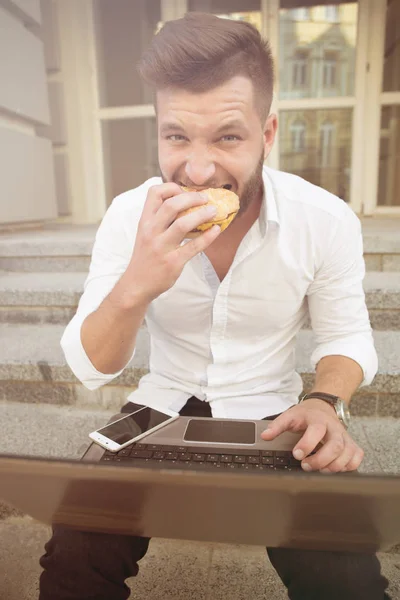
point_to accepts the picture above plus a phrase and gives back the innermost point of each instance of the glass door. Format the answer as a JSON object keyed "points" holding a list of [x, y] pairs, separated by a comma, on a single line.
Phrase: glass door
{"points": [[317, 72], [314, 47], [389, 148], [128, 126], [337, 91]]}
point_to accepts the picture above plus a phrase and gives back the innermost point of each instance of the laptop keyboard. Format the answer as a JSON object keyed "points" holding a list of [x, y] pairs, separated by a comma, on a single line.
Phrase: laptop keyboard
{"points": [[200, 458]]}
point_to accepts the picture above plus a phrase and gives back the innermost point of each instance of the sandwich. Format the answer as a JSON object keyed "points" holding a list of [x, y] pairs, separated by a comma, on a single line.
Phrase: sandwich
{"points": [[227, 204]]}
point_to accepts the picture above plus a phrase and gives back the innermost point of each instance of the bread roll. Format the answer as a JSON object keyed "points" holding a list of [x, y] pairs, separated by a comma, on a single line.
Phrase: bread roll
{"points": [[226, 203]]}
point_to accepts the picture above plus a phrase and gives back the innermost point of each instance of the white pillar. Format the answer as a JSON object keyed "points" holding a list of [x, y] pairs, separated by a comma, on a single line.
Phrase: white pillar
{"points": [[77, 42]]}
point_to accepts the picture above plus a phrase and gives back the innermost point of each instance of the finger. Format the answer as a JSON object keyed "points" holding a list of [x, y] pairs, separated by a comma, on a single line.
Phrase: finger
{"points": [[343, 460], [333, 447], [313, 435], [198, 244], [287, 421], [173, 206], [180, 228], [356, 461], [157, 195]]}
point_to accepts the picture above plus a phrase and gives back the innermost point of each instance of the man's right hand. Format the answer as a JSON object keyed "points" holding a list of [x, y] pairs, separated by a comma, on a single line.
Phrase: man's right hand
{"points": [[158, 257]]}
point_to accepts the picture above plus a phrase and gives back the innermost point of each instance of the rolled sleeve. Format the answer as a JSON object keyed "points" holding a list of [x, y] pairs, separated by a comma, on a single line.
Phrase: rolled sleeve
{"points": [[110, 258], [77, 359], [336, 300]]}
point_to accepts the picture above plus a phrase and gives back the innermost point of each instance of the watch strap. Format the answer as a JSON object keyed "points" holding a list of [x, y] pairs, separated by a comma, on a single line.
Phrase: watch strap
{"points": [[333, 400]]}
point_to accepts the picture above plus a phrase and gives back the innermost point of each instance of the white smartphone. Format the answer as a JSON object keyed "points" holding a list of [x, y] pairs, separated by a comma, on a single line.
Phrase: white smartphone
{"points": [[132, 427]]}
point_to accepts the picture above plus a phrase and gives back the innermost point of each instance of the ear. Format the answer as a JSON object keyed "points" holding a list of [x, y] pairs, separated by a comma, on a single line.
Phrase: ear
{"points": [[270, 129]]}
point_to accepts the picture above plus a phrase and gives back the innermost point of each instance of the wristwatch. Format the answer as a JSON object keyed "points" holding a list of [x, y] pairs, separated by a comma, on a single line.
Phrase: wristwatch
{"points": [[341, 408]]}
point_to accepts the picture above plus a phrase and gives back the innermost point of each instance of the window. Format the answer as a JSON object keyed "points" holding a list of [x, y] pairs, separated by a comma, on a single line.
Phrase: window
{"points": [[299, 73], [326, 143], [301, 14], [298, 136], [329, 72], [332, 14]]}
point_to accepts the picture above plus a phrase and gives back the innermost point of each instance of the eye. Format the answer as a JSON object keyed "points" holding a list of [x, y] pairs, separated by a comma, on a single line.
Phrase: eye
{"points": [[176, 138], [230, 138]]}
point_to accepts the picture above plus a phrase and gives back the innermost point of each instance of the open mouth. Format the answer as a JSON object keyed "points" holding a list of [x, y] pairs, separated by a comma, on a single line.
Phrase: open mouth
{"points": [[226, 186]]}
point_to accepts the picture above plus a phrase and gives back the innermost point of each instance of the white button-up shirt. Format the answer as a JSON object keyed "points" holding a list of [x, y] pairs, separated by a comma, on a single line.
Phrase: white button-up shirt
{"points": [[232, 343]]}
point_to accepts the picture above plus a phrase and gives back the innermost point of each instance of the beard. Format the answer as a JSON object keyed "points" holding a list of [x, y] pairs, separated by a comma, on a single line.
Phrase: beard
{"points": [[253, 187], [252, 190]]}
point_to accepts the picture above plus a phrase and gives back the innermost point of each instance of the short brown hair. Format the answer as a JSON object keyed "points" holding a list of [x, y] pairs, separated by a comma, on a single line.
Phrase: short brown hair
{"points": [[201, 51]]}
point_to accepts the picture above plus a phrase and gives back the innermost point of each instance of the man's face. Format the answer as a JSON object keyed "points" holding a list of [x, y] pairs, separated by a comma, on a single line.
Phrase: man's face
{"points": [[214, 139]]}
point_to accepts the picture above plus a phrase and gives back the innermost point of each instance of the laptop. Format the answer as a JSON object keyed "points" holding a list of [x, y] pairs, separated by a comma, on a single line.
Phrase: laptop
{"points": [[271, 507], [203, 443]]}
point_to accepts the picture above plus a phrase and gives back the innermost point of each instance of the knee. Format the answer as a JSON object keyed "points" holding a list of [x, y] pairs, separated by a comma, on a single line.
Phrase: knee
{"points": [[67, 546], [329, 575], [80, 548]]}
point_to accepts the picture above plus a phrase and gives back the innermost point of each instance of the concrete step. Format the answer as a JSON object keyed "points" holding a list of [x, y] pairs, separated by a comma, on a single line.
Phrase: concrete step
{"points": [[54, 248], [53, 297], [381, 243], [33, 369], [68, 247], [39, 297]]}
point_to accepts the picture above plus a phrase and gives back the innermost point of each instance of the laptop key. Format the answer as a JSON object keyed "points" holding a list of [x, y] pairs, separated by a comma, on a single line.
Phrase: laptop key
{"points": [[253, 460], [283, 453], [239, 459], [158, 455], [226, 458], [141, 453], [281, 460], [184, 456], [263, 468], [125, 451], [267, 460], [214, 458], [171, 455], [267, 453], [198, 457]]}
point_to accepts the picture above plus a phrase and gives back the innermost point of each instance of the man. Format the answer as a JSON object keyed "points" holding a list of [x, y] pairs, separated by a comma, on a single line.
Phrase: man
{"points": [[223, 309]]}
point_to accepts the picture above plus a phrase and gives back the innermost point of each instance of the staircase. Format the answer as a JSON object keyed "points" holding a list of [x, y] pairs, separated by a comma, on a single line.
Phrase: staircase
{"points": [[41, 279], [46, 411]]}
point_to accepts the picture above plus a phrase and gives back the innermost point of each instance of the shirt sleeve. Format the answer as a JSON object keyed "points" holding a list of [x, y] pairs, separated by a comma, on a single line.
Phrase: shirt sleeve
{"points": [[110, 258], [336, 300]]}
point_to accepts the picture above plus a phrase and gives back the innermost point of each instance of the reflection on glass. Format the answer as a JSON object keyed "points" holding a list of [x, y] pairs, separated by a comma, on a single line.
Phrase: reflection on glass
{"points": [[317, 51], [316, 145], [124, 29], [230, 9], [130, 153], [391, 71], [389, 157]]}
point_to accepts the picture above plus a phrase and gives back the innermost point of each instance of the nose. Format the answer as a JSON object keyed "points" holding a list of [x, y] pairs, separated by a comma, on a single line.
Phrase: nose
{"points": [[200, 168]]}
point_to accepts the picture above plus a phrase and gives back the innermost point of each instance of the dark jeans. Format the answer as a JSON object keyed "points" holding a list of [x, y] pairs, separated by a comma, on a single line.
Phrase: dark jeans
{"points": [[94, 566]]}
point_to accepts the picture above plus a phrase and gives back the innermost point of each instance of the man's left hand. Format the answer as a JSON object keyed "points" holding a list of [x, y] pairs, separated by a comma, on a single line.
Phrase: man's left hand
{"points": [[320, 424]]}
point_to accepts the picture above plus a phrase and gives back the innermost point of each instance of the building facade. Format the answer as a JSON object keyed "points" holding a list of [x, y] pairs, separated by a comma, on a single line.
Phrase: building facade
{"points": [[91, 123]]}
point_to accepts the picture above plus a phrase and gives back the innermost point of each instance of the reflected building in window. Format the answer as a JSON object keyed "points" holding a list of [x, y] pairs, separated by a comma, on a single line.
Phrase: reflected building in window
{"points": [[317, 60]]}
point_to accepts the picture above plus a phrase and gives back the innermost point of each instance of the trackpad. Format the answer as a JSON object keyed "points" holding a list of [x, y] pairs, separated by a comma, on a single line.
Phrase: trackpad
{"points": [[220, 432]]}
